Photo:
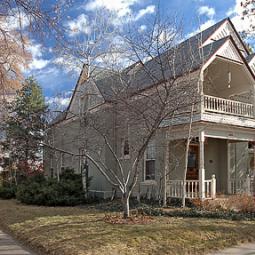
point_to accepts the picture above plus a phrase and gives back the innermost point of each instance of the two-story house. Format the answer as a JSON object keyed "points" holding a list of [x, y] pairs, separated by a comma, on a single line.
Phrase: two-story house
{"points": [[221, 152]]}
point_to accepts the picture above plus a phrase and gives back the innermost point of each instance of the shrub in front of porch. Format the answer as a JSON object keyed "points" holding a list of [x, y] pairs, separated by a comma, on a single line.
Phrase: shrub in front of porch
{"points": [[199, 213], [242, 203]]}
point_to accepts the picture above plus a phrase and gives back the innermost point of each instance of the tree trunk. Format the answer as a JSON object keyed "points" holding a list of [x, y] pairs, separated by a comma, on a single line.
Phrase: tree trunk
{"points": [[186, 157], [84, 183], [125, 203]]}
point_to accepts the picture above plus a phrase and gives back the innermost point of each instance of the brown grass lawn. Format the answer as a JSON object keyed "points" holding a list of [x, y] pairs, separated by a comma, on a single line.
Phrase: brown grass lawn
{"points": [[69, 231]]}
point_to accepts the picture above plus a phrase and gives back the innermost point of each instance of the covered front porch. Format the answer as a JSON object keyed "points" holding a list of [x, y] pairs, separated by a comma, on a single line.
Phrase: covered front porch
{"points": [[220, 163]]}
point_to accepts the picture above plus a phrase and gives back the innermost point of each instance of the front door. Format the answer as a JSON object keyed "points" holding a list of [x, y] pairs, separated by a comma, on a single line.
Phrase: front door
{"points": [[193, 162]]}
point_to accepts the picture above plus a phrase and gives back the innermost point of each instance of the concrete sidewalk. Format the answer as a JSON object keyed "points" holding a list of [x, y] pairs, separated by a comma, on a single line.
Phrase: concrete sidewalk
{"points": [[10, 247], [243, 249]]}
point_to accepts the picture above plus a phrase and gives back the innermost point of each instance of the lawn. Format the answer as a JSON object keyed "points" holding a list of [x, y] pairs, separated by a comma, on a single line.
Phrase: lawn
{"points": [[69, 231]]}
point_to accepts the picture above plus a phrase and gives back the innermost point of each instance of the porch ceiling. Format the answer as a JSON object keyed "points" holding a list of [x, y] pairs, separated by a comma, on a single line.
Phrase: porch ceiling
{"points": [[216, 79]]}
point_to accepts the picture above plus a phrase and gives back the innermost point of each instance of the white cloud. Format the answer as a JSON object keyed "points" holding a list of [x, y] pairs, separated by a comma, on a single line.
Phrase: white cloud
{"points": [[35, 50], [241, 24], [121, 7], [142, 28], [202, 27], [69, 64], [37, 61], [207, 24], [148, 10], [122, 10], [58, 100], [206, 10], [79, 25], [15, 21]]}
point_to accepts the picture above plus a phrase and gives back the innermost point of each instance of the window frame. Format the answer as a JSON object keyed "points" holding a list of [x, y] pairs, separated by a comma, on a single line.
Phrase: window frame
{"points": [[146, 159], [123, 155]]}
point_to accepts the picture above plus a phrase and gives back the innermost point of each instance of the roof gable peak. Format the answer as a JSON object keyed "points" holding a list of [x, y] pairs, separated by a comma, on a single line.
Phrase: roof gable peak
{"points": [[223, 29]]}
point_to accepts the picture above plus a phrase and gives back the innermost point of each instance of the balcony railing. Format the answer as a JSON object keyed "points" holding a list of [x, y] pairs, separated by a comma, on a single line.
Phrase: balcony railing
{"points": [[222, 105]]}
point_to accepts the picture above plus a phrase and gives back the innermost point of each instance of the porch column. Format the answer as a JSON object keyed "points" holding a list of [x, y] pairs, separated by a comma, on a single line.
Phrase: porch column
{"points": [[201, 87], [253, 100], [201, 165], [165, 173]]}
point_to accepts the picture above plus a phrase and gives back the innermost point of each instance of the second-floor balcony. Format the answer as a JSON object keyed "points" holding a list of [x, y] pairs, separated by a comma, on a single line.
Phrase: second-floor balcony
{"points": [[227, 106]]}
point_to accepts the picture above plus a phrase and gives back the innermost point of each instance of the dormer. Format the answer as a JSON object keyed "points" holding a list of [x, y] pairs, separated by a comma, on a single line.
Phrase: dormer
{"points": [[224, 30]]}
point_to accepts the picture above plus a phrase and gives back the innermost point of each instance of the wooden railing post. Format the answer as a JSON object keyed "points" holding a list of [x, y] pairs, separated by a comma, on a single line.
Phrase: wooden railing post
{"points": [[202, 103], [213, 187], [201, 166], [248, 184], [165, 173]]}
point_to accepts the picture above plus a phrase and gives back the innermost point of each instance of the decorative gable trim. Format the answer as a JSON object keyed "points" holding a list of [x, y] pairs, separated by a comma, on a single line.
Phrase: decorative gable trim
{"points": [[222, 49], [228, 50], [252, 64], [227, 29]]}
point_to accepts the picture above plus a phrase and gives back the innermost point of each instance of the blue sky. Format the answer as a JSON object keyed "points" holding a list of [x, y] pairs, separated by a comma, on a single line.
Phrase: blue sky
{"points": [[58, 81]]}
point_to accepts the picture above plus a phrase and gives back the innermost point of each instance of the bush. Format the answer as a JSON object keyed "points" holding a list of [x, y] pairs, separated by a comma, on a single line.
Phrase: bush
{"points": [[38, 190], [242, 203], [196, 213], [177, 202], [8, 191]]}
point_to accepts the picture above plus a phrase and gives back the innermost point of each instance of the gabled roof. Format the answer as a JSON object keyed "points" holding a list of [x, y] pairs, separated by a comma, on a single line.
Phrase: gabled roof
{"points": [[190, 56], [204, 35]]}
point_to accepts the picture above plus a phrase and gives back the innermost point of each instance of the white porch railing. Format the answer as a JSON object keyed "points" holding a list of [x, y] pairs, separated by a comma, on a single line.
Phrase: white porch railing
{"points": [[241, 185], [174, 188], [222, 105]]}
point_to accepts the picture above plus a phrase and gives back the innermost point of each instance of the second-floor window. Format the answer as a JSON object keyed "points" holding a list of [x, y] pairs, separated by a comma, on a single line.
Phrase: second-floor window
{"points": [[125, 153], [150, 161]]}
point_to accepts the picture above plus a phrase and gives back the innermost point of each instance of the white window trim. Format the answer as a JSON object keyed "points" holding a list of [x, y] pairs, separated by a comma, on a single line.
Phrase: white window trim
{"points": [[151, 181]]}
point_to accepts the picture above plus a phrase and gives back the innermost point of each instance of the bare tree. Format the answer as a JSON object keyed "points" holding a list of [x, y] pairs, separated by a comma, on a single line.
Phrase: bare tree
{"points": [[157, 87], [248, 12], [19, 19], [187, 156]]}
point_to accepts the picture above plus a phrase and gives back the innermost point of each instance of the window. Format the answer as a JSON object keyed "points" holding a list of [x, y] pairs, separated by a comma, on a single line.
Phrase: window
{"points": [[251, 145], [125, 148], [150, 157], [192, 160]]}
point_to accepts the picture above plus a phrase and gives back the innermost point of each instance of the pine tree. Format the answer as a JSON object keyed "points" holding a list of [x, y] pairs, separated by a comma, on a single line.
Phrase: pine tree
{"points": [[25, 127]]}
